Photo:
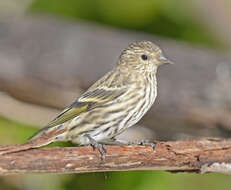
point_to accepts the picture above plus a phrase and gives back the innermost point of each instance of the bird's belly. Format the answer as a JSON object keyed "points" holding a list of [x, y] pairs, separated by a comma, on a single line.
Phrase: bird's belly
{"points": [[136, 115], [140, 109], [99, 124], [103, 123]]}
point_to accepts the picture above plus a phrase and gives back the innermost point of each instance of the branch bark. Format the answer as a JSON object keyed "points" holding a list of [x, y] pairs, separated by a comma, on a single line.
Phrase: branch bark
{"points": [[210, 155]]}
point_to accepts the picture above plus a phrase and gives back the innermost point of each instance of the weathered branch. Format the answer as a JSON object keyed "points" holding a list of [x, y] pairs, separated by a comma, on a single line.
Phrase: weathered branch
{"points": [[211, 155]]}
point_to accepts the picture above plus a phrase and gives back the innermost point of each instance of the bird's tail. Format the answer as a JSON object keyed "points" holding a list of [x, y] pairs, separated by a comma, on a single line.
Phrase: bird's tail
{"points": [[41, 140]]}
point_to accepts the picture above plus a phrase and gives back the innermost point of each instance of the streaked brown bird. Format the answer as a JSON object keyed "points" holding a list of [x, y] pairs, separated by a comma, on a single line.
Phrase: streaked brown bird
{"points": [[114, 103]]}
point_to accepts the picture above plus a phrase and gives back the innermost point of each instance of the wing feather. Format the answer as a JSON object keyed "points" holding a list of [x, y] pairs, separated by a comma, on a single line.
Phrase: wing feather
{"points": [[89, 100]]}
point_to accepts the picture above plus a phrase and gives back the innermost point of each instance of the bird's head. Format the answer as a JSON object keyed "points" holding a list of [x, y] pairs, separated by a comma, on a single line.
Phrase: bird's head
{"points": [[143, 56]]}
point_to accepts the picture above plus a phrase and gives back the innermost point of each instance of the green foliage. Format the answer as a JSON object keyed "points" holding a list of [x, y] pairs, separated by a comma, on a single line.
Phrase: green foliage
{"points": [[171, 18]]}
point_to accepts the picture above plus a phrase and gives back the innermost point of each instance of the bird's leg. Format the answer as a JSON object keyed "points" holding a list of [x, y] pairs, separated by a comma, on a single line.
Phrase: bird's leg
{"points": [[95, 145]]}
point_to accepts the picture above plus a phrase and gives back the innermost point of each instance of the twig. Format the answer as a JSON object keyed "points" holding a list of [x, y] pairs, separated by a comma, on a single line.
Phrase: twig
{"points": [[210, 155]]}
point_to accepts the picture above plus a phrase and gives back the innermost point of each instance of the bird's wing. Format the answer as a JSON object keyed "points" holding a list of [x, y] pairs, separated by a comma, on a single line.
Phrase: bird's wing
{"points": [[89, 100], [86, 102]]}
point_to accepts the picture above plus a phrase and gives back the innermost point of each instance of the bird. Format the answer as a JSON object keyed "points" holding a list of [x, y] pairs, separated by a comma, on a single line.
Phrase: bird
{"points": [[114, 103]]}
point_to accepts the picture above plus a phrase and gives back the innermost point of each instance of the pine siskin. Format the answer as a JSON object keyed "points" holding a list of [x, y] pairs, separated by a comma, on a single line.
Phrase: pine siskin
{"points": [[114, 103]]}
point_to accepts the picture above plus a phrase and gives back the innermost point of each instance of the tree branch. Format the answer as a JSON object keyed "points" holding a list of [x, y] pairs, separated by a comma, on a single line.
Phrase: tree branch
{"points": [[210, 155]]}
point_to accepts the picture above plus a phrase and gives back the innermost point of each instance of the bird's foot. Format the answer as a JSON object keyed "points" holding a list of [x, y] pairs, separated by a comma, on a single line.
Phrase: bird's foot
{"points": [[100, 147]]}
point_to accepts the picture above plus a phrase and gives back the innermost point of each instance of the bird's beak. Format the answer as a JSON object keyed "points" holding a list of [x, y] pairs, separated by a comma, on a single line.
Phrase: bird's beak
{"points": [[163, 61]]}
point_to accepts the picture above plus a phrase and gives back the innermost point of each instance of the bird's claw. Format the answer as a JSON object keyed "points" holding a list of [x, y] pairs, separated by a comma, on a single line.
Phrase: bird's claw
{"points": [[100, 147]]}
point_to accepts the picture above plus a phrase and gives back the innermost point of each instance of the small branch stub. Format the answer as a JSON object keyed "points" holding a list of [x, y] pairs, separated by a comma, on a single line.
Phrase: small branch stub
{"points": [[210, 155]]}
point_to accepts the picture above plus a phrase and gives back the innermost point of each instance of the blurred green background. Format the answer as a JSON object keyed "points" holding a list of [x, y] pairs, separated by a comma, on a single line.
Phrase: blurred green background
{"points": [[168, 18]]}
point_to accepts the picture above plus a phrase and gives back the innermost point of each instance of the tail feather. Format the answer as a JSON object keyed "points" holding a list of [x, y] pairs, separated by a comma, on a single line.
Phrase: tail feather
{"points": [[38, 132], [42, 140]]}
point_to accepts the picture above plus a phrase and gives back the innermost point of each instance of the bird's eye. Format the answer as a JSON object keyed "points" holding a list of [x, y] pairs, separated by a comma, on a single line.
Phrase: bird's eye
{"points": [[144, 57]]}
